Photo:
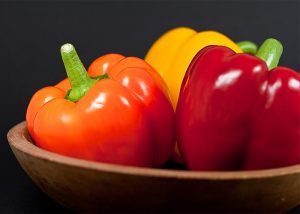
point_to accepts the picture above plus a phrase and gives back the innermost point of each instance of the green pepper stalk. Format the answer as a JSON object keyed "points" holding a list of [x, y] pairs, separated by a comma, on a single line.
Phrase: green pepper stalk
{"points": [[248, 47], [76, 72], [270, 51]]}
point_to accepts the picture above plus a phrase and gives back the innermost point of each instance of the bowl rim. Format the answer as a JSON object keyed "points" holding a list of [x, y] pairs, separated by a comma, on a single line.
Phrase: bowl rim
{"points": [[17, 140]]}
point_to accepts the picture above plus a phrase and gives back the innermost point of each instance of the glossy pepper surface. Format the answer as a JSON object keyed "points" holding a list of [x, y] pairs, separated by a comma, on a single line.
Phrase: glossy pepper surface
{"points": [[125, 117], [233, 113], [172, 53]]}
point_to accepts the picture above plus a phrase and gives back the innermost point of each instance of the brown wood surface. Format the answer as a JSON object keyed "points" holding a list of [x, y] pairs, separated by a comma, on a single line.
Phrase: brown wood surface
{"points": [[90, 186]]}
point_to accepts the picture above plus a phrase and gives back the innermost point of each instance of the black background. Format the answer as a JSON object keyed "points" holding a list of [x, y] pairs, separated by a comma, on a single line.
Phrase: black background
{"points": [[32, 32]]}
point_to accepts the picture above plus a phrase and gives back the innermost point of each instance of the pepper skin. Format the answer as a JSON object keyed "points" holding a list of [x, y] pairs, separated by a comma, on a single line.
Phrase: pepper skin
{"points": [[126, 118], [234, 114], [172, 53]]}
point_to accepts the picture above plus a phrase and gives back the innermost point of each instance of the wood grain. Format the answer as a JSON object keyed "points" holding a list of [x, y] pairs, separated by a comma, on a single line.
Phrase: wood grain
{"points": [[90, 186]]}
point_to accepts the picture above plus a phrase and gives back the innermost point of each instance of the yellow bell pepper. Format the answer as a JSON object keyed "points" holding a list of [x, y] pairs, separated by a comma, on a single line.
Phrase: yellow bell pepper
{"points": [[172, 53]]}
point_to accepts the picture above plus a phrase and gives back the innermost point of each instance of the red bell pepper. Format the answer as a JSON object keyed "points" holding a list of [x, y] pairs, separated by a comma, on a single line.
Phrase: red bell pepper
{"points": [[123, 117], [233, 113]]}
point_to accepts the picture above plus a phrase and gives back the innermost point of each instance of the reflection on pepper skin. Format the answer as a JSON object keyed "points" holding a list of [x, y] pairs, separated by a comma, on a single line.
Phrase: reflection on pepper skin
{"points": [[227, 79], [294, 84], [271, 92]]}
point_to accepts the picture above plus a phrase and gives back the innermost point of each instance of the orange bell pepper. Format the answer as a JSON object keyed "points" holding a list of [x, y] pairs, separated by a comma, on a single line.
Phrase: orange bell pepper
{"points": [[125, 117]]}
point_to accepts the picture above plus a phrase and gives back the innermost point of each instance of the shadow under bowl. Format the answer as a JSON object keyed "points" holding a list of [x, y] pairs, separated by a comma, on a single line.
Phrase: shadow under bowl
{"points": [[91, 186]]}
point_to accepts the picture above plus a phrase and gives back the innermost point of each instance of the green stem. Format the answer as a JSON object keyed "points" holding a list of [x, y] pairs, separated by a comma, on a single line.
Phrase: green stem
{"points": [[248, 47], [270, 51], [76, 72]]}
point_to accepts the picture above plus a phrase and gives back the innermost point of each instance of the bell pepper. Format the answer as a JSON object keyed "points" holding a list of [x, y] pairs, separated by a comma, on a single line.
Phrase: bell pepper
{"points": [[119, 112], [238, 111], [172, 53]]}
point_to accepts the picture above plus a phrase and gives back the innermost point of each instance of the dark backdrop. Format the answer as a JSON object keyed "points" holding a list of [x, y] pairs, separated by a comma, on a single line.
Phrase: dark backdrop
{"points": [[32, 32]]}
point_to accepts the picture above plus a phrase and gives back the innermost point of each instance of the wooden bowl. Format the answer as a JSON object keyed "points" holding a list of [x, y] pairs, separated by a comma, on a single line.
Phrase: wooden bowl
{"points": [[90, 186]]}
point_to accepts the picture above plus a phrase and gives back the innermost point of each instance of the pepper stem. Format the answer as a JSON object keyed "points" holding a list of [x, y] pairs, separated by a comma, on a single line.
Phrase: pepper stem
{"points": [[76, 72], [248, 47], [270, 51]]}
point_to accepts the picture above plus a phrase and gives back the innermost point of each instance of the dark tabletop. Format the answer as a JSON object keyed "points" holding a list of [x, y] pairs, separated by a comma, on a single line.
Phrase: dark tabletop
{"points": [[32, 32]]}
